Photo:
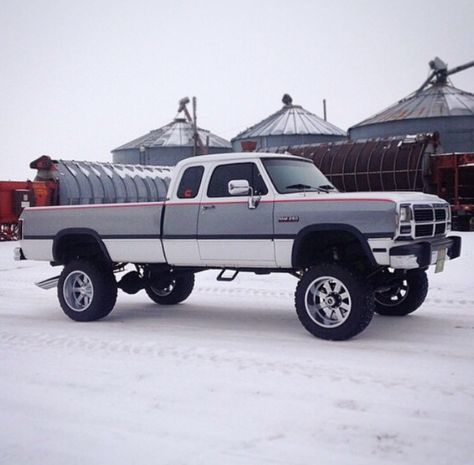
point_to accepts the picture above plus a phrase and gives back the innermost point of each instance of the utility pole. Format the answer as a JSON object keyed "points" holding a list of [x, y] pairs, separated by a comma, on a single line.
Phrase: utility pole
{"points": [[195, 133]]}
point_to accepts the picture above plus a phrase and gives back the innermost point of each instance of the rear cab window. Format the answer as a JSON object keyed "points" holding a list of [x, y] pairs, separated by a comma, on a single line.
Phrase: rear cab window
{"points": [[190, 182]]}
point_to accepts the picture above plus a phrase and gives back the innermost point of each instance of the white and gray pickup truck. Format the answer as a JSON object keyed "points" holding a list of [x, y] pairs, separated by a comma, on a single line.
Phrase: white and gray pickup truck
{"points": [[354, 253]]}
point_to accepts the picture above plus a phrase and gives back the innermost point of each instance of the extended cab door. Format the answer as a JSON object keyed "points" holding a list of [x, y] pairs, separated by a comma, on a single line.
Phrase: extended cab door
{"points": [[230, 232], [181, 219]]}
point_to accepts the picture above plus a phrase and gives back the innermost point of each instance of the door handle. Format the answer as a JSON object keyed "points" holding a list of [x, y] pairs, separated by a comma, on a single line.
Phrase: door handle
{"points": [[208, 207]]}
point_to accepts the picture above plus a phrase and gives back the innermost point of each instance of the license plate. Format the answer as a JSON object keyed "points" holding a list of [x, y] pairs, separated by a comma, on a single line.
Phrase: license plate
{"points": [[440, 261]]}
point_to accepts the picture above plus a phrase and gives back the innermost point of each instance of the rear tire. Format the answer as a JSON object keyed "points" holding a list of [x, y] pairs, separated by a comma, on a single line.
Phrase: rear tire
{"points": [[86, 291], [172, 290], [333, 302], [405, 297]]}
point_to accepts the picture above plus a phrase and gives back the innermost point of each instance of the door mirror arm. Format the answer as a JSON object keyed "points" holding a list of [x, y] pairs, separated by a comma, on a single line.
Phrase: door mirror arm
{"points": [[254, 200], [242, 187]]}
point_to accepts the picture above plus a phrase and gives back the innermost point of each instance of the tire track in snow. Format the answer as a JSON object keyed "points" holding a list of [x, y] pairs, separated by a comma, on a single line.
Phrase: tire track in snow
{"points": [[217, 358], [17, 268], [245, 292]]}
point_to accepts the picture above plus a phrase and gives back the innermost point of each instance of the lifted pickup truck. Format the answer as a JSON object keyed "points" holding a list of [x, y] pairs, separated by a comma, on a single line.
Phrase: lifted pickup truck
{"points": [[354, 253]]}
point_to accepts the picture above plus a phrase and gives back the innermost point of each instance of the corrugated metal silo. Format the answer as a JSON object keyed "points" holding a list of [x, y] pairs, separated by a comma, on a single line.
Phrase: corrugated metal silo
{"points": [[291, 125], [437, 106], [83, 182]]}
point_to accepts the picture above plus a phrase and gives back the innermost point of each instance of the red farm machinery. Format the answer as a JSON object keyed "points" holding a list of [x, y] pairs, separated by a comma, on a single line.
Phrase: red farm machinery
{"points": [[60, 182], [15, 196]]}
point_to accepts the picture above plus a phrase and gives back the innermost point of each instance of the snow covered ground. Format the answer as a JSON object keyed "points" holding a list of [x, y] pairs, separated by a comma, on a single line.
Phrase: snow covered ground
{"points": [[231, 377]]}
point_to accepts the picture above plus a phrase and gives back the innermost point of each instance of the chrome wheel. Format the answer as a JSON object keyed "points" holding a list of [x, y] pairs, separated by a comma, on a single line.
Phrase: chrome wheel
{"points": [[164, 291], [394, 296], [171, 289], [328, 302], [78, 291], [402, 296]]}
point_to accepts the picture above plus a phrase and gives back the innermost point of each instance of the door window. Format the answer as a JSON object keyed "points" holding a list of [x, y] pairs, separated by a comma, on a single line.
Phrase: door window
{"points": [[218, 186]]}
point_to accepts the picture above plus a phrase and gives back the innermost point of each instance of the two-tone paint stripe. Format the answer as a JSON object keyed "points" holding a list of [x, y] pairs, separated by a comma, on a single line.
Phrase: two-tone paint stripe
{"points": [[188, 204], [202, 236], [92, 206], [175, 203]]}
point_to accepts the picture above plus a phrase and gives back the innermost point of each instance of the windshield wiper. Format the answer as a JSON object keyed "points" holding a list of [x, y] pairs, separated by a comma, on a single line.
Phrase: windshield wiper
{"points": [[305, 187], [300, 187], [327, 187]]}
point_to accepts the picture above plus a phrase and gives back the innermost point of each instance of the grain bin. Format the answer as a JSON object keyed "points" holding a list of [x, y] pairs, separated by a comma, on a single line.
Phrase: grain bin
{"points": [[291, 125], [171, 143], [437, 106]]}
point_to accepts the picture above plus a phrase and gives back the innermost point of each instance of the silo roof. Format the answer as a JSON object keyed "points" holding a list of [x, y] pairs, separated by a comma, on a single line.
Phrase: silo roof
{"points": [[291, 120], [178, 133], [439, 100]]}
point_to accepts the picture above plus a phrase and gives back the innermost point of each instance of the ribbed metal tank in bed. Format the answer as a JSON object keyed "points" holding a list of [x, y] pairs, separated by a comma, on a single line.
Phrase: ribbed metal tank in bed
{"points": [[82, 182]]}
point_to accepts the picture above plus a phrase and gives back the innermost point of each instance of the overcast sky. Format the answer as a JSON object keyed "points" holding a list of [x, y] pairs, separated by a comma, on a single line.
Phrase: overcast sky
{"points": [[79, 78]]}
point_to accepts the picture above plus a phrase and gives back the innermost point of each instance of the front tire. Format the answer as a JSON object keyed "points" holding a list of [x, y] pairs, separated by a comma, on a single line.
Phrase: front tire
{"points": [[86, 291], [333, 302], [170, 290], [404, 297]]}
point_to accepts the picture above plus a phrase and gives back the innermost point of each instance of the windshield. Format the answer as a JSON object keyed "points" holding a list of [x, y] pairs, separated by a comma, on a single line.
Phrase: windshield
{"points": [[289, 176]]}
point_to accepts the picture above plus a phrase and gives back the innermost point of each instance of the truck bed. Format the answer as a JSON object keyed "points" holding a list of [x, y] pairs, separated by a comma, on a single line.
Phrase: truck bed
{"points": [[131, 232]]}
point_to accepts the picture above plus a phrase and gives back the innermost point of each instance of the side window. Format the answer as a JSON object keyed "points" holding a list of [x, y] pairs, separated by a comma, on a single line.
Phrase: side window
{"points": [[218, 185], [190, 182]]}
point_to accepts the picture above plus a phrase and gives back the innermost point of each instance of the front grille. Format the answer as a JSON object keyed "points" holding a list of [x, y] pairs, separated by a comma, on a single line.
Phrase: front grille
{"points": [[423, 215], [428, 220], [423, 230]]}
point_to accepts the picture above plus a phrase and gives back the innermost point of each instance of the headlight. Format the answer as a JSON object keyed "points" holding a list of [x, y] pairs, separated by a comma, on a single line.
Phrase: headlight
{"points": [[448, 218], [405, 214]]}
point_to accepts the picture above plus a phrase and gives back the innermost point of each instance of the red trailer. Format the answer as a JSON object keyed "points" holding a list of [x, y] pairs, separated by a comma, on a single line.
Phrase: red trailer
{"points": [[453, 175]]}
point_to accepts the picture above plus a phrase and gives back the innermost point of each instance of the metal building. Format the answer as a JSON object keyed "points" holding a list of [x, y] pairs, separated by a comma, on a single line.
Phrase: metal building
{"points": [[169, 144], [437, 106], [291, 125]]}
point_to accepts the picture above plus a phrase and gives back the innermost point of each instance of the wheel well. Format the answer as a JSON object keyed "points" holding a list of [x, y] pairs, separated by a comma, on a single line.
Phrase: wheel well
{"points": [[335, 245], [75, 245]]}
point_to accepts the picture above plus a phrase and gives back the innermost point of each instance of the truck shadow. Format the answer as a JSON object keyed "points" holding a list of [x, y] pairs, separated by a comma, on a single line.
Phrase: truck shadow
{"points": [[280, 320], [252, 318]]}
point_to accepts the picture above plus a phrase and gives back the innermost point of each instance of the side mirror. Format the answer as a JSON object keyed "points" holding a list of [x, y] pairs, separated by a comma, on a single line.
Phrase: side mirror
{"points": [[242, 187], [238, 187]]}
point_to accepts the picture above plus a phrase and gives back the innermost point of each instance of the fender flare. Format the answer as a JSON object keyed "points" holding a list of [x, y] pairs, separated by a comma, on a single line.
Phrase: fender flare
{"points": [[331, 227], [78, 232]]}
